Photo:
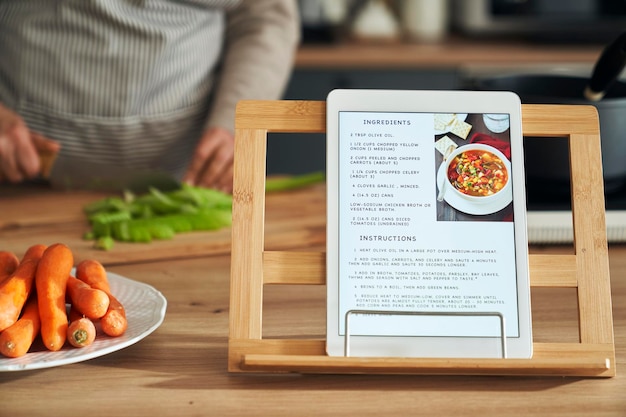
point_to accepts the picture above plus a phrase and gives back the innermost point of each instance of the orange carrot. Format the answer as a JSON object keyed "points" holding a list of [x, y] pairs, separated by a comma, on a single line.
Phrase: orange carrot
{"points": [[74, 314], [35, 252], [81, 332], [14, 292], [92, 302], [18, 338], [114, 322], [93, 273], [51, 278], [8, 264]]}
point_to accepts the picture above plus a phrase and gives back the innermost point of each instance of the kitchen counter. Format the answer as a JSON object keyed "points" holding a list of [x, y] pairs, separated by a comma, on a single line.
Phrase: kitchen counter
{"points": [[453, 52], [181, 368]]}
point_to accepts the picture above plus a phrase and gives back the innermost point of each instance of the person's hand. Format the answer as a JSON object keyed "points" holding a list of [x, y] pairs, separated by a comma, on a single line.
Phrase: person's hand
{"points": [[212, 163], [19, 159]]}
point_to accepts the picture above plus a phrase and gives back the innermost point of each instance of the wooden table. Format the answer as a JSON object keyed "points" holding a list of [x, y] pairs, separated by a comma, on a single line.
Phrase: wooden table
{"points": [[180, 369]]}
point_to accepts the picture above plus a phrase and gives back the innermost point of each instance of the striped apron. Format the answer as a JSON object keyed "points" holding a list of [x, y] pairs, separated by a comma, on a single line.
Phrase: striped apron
{"points": [[122, 84]]}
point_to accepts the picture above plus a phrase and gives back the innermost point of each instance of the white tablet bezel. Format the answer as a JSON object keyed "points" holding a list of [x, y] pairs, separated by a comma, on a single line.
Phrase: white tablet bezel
{"points": [[420, 101]]}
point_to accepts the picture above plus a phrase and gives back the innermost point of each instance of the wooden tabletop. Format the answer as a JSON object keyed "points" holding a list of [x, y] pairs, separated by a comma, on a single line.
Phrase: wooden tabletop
{"points": [[181, 368]]}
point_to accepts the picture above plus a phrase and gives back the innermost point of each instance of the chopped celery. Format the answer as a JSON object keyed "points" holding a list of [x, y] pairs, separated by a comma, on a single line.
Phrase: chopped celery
{"points": [[156, 215], [160, 215], [104, 243]]}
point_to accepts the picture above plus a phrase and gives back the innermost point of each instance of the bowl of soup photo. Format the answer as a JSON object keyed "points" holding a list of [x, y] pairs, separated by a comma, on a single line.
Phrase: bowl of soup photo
{"points": [[478, 173]]}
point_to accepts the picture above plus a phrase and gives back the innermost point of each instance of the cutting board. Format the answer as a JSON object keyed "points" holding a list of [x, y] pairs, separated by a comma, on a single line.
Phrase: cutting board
{"points": [[294, 219]]}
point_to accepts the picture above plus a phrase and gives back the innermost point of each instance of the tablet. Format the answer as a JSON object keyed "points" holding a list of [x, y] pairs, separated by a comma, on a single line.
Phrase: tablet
{"points": [[427, 253]]}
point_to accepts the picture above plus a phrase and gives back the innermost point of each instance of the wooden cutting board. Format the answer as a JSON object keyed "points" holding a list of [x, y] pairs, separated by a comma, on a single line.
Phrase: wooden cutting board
{"points": [[294, 219]]}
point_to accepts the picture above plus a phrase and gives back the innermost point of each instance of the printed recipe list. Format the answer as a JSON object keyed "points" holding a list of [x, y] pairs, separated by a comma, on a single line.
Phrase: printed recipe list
{"points": [[395, 255]]}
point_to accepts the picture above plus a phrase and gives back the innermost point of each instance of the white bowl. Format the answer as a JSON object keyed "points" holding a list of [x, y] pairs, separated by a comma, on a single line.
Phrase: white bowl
{"points": [[450, 188]]}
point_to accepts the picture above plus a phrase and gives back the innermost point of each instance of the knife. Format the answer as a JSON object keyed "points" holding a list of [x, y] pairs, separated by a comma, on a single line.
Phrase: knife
{"points": [[62, 173]]}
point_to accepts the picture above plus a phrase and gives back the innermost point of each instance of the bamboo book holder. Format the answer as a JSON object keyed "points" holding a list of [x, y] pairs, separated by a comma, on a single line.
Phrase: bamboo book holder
{"points": [[252, 267]]}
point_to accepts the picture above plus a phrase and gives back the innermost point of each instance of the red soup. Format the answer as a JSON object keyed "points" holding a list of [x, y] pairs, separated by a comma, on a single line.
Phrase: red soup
{"points": [[477, 173]]}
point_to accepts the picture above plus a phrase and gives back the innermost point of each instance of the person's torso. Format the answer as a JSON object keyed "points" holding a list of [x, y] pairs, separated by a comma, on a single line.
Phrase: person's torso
{"points": [[105, 77], [108, 58]]}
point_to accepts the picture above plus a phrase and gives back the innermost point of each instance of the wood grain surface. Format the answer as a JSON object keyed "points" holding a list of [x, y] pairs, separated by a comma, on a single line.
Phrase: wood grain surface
{"points": [[181, 369], [44, 216]]}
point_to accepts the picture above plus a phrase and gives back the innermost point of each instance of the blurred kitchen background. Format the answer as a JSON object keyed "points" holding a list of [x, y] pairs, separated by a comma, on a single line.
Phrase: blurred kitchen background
{"points": [[467, 44]]}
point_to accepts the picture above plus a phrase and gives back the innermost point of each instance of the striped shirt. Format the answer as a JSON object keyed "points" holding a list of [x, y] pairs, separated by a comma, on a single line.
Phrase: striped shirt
{"points": [[133, 83]]}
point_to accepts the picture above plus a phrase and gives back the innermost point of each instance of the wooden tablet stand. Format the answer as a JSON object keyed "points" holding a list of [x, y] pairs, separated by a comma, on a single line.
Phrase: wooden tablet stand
{"points": [[252, 267]]}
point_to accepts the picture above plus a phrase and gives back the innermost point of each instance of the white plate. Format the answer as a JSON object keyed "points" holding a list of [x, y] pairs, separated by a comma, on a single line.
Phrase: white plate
{"points": [[145, 311], [459, 203]]}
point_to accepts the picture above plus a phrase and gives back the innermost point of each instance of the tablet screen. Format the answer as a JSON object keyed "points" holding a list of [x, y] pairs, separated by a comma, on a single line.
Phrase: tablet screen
{"points": [[426, 242]]}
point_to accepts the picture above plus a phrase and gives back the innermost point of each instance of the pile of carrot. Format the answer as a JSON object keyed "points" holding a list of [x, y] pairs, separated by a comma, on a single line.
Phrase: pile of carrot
{"points": [[40, 297]]}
